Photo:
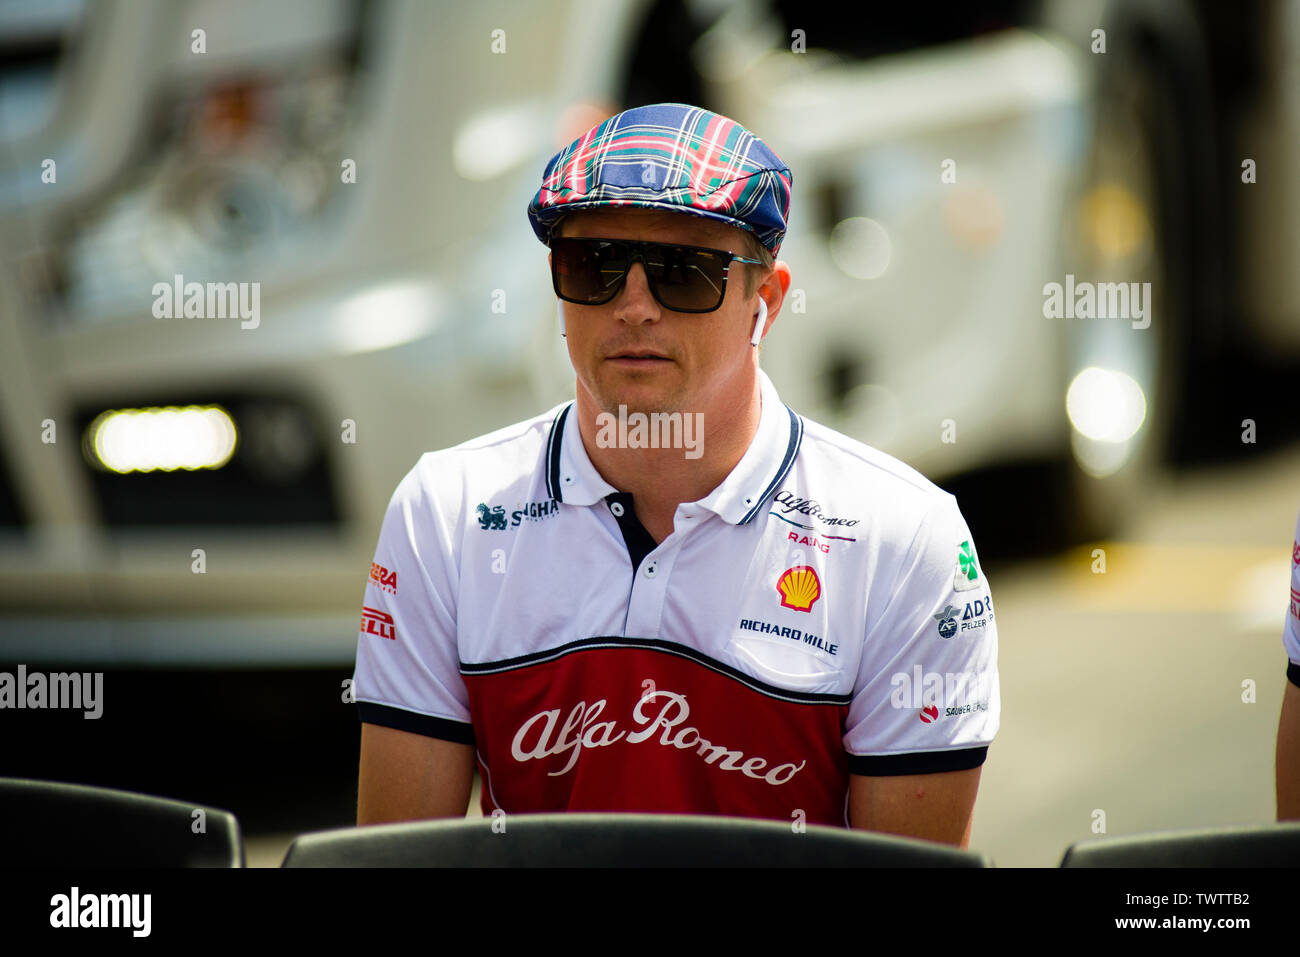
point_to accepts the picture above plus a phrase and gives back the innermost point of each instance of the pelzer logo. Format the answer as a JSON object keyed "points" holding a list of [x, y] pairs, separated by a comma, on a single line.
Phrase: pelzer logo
{"points": [[385, 579], [379, 623], [975, 614], [799, 588], [947, 620]]}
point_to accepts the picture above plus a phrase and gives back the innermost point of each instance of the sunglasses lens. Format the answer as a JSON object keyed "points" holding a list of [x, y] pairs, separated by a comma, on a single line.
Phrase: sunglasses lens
{"points": [[586, 272], [682, 279], [687, 280]]}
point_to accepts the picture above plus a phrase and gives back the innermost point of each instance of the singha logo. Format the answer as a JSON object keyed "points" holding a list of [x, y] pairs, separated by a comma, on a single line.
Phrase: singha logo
{"points": [[491, 518]]}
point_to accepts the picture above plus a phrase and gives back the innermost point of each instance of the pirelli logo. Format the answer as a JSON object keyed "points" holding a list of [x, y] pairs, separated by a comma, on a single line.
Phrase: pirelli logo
{"points": [[379, 623]]}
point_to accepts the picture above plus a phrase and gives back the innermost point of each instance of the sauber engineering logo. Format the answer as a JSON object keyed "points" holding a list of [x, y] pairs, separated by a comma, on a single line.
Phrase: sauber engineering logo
{"points": [[799, 587]]}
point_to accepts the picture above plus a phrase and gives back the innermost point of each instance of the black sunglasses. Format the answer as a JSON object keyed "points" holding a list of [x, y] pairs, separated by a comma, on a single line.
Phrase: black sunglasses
{"points": [[590, 272]]}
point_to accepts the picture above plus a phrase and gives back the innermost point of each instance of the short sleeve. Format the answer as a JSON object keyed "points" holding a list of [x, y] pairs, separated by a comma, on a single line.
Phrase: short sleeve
{"points": [[926, 698], [408, 666], [1291, 631]]}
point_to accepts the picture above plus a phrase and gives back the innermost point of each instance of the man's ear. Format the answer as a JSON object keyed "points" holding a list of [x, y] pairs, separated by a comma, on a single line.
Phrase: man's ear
{"points": [[775, 287]]}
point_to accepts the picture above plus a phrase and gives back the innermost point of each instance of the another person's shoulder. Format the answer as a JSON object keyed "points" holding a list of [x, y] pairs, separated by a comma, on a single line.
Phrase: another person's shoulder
{"points": [[1291, 631]]}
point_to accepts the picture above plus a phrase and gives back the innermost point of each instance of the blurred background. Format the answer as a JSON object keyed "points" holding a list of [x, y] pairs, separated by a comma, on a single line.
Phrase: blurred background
{"points": [[191, 505]]}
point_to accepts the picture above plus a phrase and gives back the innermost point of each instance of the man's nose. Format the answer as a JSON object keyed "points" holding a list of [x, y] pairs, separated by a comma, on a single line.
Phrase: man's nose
{"points": [[635, 302]]}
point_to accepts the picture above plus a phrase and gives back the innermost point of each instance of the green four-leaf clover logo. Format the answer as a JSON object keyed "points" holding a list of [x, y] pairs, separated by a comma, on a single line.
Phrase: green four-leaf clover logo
{"points": [[966, 558]]}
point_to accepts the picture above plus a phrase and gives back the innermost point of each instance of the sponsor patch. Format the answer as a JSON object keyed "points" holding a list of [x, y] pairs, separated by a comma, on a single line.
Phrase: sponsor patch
{"points": [[974, 614], [793, 634], [947, 620], [382, 577], [378, 623], [799, 587], [789, 502], [967, 574], [493, 518], [659, 719]]}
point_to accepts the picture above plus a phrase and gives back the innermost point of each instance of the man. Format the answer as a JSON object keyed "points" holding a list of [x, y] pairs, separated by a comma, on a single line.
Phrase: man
{"points": [[673, 593], [1288, 727]]}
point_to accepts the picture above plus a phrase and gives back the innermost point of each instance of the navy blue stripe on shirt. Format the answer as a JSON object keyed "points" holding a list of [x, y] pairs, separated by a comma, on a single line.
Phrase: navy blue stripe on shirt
{"points": [[426, 724], [655, 644], [553, 445], [917, 762], [791, 450]]}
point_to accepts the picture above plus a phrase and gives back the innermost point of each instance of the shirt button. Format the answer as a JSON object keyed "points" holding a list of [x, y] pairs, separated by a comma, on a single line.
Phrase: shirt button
{"points": [[650, 570], [617, 509]]}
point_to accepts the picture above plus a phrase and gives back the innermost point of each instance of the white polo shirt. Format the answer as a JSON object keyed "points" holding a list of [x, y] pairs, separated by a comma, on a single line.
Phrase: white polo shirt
{"points": [[1291, 631], [822, 612]]}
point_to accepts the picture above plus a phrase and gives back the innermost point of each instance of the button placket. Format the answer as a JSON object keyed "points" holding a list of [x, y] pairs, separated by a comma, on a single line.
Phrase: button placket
{"points": [[649, 592]]}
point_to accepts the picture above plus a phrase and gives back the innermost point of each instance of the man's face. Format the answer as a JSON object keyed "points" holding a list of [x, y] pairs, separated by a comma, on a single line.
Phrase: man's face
{"points": [[633, 351]]}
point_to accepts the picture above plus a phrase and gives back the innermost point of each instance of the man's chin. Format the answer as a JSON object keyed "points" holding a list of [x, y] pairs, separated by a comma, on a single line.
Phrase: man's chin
{"points": [[638, 400], [638, 397]]}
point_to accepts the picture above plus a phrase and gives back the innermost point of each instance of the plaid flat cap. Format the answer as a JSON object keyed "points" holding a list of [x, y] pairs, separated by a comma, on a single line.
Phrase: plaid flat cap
{"points": [[669, 156]]}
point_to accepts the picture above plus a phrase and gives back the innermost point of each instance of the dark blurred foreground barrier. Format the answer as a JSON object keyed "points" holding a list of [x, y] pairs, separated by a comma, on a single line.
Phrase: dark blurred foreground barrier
{"points": [[615, 840], [1263, 845], [50, 824]]}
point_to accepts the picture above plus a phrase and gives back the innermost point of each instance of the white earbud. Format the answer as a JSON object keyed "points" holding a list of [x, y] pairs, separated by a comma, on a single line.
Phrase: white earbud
{"points": [[563, 334], [758, 326]]}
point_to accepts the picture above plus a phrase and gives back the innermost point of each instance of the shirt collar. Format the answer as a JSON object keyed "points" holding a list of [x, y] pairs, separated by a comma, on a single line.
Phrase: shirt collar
{"points": [[573, 480]]}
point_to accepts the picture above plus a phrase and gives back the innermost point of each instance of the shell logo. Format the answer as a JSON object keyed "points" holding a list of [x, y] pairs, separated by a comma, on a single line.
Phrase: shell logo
{"points": [[799, 588]]}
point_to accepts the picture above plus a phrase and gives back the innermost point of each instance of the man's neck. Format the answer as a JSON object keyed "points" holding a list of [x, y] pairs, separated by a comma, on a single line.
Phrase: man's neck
{"points": [[660, 479]]}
